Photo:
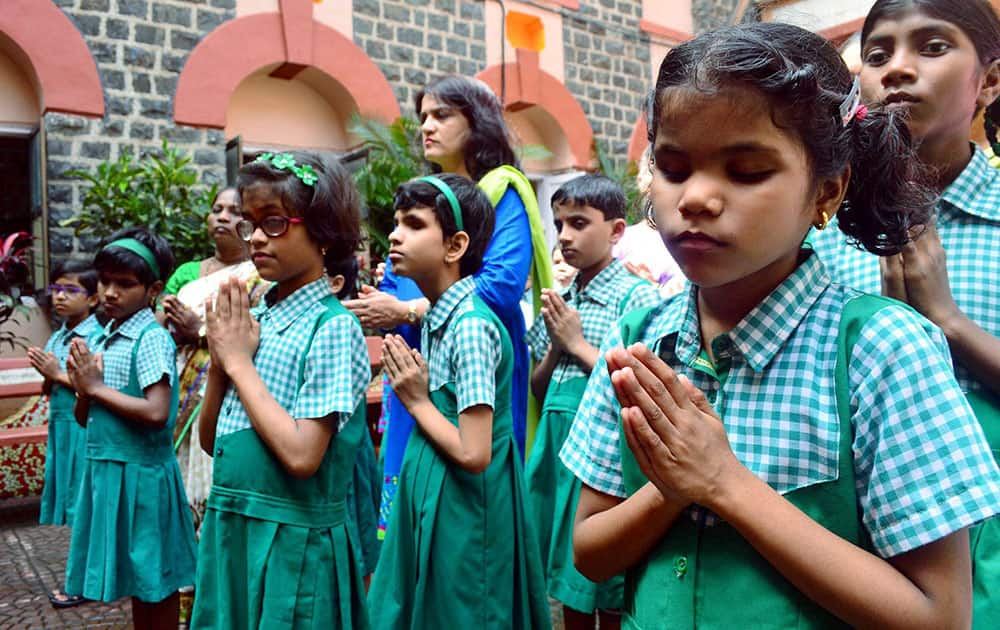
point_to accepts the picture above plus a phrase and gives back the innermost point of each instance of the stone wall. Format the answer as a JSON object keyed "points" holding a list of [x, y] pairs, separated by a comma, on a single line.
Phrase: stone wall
{"points": [[140, 47]]}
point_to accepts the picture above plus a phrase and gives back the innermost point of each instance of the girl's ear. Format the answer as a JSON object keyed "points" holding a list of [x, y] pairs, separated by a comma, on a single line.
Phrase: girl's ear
{"points": [[830, 193], [990, 87], [455, 247], [153, 291]]}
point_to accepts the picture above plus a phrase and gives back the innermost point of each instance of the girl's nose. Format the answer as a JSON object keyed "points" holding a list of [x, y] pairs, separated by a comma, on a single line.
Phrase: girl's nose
{"points": [[701, 195], [394, 236], [899, 69]]}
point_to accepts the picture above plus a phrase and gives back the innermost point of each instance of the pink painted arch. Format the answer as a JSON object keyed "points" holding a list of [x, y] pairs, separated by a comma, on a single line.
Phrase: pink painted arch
{"points": [[223, 59], [59, 59], [527, 85]]}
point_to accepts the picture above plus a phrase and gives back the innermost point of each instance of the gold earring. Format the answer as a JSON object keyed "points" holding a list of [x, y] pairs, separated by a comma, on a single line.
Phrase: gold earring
{"points": [[822, 224]]}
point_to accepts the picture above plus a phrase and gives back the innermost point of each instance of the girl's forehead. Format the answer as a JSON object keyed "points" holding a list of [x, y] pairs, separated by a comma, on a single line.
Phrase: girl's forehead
{"points": [[262, 196], [69, 278]]}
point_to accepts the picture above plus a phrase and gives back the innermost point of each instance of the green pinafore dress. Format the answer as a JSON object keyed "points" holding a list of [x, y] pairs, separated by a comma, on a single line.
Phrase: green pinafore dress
{"points": [[460, 550], [65, 455], [984, 538], [276, 551], [710, 577], [133, 534]]}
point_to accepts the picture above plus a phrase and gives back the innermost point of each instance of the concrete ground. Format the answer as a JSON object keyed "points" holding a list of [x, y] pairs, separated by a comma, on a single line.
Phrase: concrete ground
{"points": [[32, 562]]}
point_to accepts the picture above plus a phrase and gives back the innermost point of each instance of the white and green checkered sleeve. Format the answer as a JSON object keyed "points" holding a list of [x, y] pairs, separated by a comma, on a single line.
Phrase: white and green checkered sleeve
{"points": [[337, 371], [643, 295], [537, 338], [475, 354], [592, 448], [156, 357], [923, 466]]}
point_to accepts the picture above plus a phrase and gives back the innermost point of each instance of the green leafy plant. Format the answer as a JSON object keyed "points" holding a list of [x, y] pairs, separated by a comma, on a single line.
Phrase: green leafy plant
{"points": [[394, 156], [624, 174], [159, 192], [15, 256]]}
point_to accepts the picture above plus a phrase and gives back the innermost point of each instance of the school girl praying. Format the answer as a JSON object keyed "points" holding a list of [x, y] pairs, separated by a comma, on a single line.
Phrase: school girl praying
{"points": [[284, 411], [771, 449], [132, 530], [459, 550], [937, 64]]}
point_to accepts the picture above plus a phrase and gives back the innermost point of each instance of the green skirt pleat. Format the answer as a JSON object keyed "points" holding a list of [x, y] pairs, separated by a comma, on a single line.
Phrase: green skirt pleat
{"points": [[256, 573], [985, 542], [553, 494], [65, 458], [460, 551], [363, 499], [132, 534]]}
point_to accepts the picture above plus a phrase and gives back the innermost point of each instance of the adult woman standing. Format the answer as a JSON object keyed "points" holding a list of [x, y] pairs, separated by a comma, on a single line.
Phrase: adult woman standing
{"points": [[464, 132], [183, 313]]}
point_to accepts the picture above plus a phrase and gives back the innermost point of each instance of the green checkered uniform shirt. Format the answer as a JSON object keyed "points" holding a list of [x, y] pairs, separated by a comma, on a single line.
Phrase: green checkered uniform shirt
{"points": [[599, 304], [465, 353], [968, 222], [922, 464], [155, 359], [336, 365]]}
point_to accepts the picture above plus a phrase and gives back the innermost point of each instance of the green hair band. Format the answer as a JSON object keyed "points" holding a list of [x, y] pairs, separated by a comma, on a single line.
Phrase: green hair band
{"points": [[446, 190], [140, 250], [286, 162]]}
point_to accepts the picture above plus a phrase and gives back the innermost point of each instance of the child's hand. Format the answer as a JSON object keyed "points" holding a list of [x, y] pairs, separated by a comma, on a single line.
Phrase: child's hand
{"points": [[45, 362], [407, 371], [233, 334], [919, 277], [676, 436], [85, 370], [562, 322]]}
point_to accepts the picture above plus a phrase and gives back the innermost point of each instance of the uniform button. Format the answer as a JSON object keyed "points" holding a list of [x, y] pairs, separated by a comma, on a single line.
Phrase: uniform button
{"points": [[680, 566], [218, 452]]}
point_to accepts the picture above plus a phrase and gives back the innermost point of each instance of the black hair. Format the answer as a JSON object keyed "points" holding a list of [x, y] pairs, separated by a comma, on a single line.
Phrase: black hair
{"points": [[477, 213], [805, 81], [976, 18], [331, 206], [121, 259], [597, 191], [349, 270], [85, 274], [488, 145]]}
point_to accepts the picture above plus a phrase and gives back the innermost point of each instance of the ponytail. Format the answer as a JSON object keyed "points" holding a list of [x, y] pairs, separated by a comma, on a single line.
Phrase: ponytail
{"points": [[888, 194]]}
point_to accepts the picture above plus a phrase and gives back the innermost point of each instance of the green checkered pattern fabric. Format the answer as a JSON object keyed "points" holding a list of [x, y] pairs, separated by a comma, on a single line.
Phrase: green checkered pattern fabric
{"points": [[600, 306], [465, 352], [922, 464], [58, 343], [969, 224], [337, 369], [156, 356]]}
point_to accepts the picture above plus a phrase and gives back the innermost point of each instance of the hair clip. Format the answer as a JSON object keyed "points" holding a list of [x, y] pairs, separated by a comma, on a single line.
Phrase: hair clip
{"points": [[286, 162], [851, 105]]}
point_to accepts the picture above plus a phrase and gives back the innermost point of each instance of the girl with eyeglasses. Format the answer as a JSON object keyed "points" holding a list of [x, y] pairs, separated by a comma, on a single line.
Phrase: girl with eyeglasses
{"points": [[73, 296], [284, 411]]}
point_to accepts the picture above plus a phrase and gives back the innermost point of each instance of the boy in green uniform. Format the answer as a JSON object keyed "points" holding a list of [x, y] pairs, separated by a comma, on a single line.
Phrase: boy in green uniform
{"points": [[564, 341], [459, 550]]}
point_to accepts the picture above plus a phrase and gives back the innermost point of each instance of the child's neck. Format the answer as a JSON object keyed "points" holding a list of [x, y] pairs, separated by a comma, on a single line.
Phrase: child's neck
{"points": [[434, 285], [947, 157], [118, 321], [584, 276], [74, 320]]}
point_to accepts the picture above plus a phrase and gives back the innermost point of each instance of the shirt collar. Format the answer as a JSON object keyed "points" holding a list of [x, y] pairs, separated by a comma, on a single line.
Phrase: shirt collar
{"points": [[441, 311], [86, 327], [968, 193], [765, 329], [603, 287], [131, 327], [287, 310]]}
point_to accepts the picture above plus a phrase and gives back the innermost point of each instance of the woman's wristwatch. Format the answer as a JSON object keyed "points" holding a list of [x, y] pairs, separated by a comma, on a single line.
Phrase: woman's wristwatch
{"points": [[411, 313]]}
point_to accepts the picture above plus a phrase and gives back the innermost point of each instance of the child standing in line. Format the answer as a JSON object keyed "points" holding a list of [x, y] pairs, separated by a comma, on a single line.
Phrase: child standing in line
{"points": [[132, 531], [284, 411], [460, 550], [938, 62], [590, 219], [74, 298], [771, 449], [364, 493]]}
